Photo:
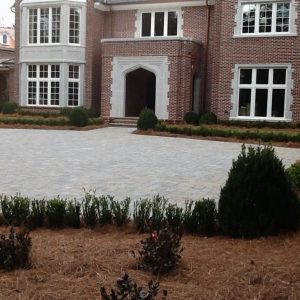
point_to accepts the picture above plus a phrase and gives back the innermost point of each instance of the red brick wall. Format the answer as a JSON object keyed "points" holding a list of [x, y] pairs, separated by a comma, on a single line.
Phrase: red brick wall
{"points": [[181, 55], [262, 50]]}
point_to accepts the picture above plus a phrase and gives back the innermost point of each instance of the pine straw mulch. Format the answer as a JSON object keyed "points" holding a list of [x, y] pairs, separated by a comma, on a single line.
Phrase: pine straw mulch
{"points": [[74, 264]]}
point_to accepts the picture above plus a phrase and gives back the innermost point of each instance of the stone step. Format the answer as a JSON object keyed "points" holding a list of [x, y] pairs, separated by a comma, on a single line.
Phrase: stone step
{"points": [[123, 122]]}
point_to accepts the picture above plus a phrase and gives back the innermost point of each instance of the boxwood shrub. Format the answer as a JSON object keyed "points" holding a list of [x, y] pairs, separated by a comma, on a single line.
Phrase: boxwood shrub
{"points": [[147, 119], [258, 198]]}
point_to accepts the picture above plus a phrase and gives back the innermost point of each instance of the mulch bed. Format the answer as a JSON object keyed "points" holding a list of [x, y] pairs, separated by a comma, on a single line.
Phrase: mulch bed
{"points": [[218, 139], [74, 264]]}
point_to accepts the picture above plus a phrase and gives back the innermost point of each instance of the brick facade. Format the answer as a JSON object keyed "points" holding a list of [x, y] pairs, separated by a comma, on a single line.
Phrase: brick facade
{"points": [[208, 48]]}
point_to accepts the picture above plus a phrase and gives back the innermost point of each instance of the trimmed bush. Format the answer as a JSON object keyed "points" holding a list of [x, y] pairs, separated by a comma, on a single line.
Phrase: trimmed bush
{"points": [[72, 218], [141, 214], [79, 117], [127, 289], [208, 118], [120, 211], [160, 252], [55, 212], [147, 119], [104, 210], [191, 118], [15, 250], [258, 198], [294, 172], [9, 108], [38, 212], [15, 209]]}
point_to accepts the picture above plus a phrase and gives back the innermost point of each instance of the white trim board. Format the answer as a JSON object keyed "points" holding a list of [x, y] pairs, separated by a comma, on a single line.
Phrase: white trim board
{"points": [[165, 5]]}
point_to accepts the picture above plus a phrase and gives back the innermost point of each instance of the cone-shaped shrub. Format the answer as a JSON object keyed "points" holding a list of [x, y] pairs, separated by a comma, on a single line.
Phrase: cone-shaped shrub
{"points": [[147, 119], [258, 198]]}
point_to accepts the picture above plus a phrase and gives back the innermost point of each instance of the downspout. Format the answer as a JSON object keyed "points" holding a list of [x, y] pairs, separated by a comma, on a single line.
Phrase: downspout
{"points": [[206, 56]]}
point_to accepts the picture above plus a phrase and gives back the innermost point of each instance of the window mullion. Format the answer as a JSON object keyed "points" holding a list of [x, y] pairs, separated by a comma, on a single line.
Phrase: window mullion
{"points": [[257, 12], [152, 23], [38, 25], [50, 26], [270, 93], [274, 16], [253, 90], [165, 23]]}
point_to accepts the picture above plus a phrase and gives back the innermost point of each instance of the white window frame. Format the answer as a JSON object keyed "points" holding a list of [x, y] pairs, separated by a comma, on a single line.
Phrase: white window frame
{"points": [[274, 18], [74, 80], [38, 80], [165, 11], [39, 26], [293, 22], [287, 115], [80, 25]]}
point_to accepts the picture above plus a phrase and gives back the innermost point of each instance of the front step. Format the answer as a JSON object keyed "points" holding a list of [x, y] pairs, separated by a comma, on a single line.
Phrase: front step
{"points": [[123, 122]]}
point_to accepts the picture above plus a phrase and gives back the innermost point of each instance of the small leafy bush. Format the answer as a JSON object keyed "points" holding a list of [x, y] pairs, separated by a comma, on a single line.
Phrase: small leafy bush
{"points": [[294, 172], [15, 209], [147, 119], [2, 102], [258, 198], [127, 289], [160, 126], [191, 118], [158, 213], [15, 250], [208, 118], [104, 209], [160, 252], [120, 211], [79, 117], [89, 209], [175, 217], [9, 108], [56, 212], [38, 213], [72, 218], [141, 214]]}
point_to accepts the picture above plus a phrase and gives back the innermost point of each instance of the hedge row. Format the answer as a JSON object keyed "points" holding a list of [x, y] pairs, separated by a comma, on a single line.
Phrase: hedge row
{"points": [[147, 214], [228, 133]]}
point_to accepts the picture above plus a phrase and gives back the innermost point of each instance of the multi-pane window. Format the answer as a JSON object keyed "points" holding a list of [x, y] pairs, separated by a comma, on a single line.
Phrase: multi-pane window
{"points": [[43, 85], [266, 18], [164, 23], [262, 92], [74, 26], [44, 25], [73, 85]]}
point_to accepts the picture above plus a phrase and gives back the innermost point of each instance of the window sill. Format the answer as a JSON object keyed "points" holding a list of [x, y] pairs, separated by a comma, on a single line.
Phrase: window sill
{"points": [[269, 35], [255, 119]]}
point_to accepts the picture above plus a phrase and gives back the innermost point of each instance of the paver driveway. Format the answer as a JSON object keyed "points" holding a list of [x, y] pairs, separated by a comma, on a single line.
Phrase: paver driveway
{"points": [[47, 163]]}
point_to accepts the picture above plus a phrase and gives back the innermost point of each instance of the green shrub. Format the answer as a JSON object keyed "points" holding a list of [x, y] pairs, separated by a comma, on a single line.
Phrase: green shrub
{"points": [[258, 198], [79, 117], [158, 213], [2, 220], [174, 216], [15, 209], [72, 218], [9, 108], [104, 209], [191, 118], [188, 220], [141, 214], [120, 211], [160, 126], [160, 252], [38, 213], [66, 111], [89, 209], [208, 118], [294, 172], [15, 250], [147, 119], [2, 102], [127, 289], [93, 113], [56, 212]]}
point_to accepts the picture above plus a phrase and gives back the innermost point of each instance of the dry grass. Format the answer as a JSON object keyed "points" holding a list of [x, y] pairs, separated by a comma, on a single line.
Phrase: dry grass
{"points": [[74, 264]]}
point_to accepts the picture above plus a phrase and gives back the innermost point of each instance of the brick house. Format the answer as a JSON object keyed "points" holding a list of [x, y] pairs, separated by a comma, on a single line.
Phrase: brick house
{"points": [[237, 58]]}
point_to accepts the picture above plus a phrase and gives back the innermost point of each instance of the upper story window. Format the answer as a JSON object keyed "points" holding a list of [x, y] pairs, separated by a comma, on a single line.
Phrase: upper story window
{"points": [[74, 26], [44, 25], [4, 39], [266, 18], [160, 23]]}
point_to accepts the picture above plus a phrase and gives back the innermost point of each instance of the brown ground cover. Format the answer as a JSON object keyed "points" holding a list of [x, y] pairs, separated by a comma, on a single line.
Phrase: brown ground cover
{"points": [[74, 264]]}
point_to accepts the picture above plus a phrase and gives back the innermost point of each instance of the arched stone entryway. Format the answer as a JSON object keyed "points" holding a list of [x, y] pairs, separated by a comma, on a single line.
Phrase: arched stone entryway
{"points": [[140, 92]]}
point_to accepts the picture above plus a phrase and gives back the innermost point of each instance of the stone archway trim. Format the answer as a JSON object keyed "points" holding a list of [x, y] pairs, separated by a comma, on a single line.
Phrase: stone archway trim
{"points": [[155, 64]]}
